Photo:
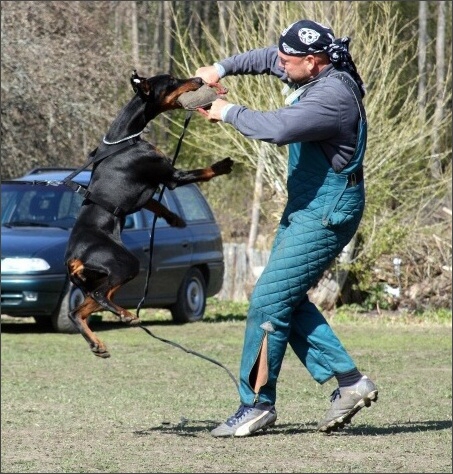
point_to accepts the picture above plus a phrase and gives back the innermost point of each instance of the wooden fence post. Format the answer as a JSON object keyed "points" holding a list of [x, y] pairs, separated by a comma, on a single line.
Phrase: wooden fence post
{"points": [[239, 276]]}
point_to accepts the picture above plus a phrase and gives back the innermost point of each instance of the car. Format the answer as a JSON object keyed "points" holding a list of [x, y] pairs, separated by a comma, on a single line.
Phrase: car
{"points": [[38, 212]]}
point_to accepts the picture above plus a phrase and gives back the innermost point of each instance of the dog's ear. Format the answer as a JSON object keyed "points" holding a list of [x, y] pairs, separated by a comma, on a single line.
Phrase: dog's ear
{"points": [[135, 80], [140, 84]]}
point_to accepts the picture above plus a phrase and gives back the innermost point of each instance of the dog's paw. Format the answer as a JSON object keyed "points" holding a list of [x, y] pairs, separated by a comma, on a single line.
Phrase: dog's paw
{"points": [[99, 350], [129, 318], [224, 166]]}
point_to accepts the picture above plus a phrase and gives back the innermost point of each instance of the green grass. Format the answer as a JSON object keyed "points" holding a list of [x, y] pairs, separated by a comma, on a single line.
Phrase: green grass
{"points": [[150, 407]]}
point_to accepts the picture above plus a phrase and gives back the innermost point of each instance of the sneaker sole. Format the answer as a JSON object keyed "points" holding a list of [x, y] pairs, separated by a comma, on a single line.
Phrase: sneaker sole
{"points": [[249, 429], [245, 430], [339, 422]]}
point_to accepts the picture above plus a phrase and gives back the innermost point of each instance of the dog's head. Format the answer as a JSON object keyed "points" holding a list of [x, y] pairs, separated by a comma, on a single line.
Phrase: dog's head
{"points": [[163, 91]]}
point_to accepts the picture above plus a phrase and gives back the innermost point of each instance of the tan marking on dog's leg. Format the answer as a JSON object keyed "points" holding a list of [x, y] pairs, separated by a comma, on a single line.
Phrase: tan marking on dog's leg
{"points": [[125, 316], [80, 319]]}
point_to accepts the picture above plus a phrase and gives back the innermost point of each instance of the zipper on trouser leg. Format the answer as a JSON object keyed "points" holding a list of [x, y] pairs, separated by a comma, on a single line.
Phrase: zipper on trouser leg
{"points": [[260, 370]]}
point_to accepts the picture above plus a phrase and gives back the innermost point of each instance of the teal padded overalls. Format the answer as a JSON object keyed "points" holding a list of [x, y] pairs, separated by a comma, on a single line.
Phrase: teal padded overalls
{"points": [[321, 216]]}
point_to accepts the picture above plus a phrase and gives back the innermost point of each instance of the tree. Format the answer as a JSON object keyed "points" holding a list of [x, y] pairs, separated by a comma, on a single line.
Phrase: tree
{"points": [[436, 166], [422, 45], [403, 201], [261, 159], [134, 33], [62, 81]]}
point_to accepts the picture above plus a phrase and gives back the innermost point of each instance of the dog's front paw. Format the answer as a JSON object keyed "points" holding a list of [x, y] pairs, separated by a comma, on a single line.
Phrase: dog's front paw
{"points": [[224, 166]]}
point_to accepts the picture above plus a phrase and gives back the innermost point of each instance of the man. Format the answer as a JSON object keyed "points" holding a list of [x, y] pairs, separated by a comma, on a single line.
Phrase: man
{"points": [[324, 124]]}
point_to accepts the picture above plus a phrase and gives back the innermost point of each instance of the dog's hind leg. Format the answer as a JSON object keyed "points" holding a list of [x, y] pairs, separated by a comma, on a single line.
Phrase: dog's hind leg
{"points": [[101, 287], [98, 296], [103, 298], [79, 317], [95, 302]]}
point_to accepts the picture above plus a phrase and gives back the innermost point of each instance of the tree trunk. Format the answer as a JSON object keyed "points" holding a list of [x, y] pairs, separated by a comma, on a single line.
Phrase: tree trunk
{"points": [[156, 43], [436, 169], [258, 188], [326, 293], [223, 34], [134, 34], [168, 38], [422, 42], [256, 205]]}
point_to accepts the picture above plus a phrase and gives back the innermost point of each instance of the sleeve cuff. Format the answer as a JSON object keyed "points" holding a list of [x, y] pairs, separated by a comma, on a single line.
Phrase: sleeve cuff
{"points": [[220, 70], [225, 110]]}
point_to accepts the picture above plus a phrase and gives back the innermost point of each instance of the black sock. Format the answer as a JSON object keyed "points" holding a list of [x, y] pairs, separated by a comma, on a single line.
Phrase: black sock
{"points": [[349, 378]]}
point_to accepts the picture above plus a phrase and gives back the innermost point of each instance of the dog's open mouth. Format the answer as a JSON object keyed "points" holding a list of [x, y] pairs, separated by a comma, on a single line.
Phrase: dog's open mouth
{"points": [[203, 97]]}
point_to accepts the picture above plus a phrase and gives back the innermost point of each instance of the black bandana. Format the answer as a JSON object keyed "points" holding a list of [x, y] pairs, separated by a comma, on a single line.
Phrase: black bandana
{"points": [[305, 37], [309, 37]]}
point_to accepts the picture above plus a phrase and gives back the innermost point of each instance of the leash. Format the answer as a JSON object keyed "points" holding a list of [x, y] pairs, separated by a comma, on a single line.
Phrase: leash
{"points": [[153, 227], [148, 275]]}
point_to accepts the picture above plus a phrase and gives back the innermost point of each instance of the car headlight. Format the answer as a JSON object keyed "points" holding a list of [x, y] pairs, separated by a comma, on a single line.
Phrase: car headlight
{"points": [[24, 265]]}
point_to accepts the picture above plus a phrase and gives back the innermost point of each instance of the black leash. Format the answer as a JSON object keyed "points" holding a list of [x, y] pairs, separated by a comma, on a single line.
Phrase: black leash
{"points": [[153, 227], [189, 351], [148, 275]]}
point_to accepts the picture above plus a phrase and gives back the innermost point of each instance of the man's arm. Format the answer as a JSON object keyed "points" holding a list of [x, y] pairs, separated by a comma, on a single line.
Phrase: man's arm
{"points": [[255, 61]]}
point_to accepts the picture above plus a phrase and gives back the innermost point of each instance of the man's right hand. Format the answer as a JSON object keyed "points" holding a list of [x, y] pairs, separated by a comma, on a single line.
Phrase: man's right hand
{"points": [[209, 74]]}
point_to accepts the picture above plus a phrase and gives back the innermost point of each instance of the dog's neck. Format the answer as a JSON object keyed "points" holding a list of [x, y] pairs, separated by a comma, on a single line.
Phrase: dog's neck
{"points": [[132, 119]]}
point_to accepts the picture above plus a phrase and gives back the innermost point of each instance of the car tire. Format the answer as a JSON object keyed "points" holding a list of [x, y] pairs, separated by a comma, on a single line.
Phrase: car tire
{"points": [[191, 299], [72, 298]]}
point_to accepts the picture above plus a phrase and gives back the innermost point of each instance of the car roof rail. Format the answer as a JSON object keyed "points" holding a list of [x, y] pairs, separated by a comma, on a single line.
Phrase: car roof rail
{"points": [[46, 169]]}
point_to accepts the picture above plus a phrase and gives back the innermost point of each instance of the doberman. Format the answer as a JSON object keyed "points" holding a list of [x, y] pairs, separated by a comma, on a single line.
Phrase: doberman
{"points": [[123, 181]]}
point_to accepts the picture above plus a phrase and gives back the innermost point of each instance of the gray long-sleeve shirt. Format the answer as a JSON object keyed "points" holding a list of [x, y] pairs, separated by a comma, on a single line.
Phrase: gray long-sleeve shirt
{"points": [[326, 112]]}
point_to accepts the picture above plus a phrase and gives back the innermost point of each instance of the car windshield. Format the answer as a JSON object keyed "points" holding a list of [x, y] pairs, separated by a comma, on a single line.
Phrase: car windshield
{"points": [[39, 206]]}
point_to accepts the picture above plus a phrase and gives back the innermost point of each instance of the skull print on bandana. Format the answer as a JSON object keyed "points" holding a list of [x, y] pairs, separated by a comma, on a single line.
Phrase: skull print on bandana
{"points": [[308, 36]]}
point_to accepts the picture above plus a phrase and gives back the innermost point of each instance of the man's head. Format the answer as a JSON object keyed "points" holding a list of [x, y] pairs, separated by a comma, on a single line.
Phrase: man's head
{"points": [[305, 37], [303, 50], [307, 47]]}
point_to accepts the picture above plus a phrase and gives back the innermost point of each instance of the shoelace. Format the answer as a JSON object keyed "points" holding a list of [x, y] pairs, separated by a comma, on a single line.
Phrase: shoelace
{"points": [[242, 411], [336, 393]]}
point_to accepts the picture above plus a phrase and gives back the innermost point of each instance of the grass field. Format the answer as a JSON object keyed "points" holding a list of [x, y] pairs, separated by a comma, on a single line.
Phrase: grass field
{"points": [[150, 407]]}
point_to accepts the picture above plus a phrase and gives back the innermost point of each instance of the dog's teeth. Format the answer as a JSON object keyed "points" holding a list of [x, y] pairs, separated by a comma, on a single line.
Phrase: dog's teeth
{"points": [[137, 81]]}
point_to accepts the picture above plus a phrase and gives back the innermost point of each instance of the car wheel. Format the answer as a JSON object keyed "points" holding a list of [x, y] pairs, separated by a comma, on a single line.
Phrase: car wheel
{"points": [[60, 319], [191, 298]]}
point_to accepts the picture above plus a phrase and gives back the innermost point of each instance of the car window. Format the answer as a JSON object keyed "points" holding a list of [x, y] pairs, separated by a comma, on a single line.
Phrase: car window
{"points": [[39, 205], [149, 216], [131, 221], [193, 204]]}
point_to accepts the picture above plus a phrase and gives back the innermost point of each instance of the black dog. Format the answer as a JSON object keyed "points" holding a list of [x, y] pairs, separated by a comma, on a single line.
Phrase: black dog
{"points": [[124, 180]]}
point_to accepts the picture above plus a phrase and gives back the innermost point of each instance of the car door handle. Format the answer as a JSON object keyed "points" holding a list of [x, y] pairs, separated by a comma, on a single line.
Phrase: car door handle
{"points": [[185, 243]]}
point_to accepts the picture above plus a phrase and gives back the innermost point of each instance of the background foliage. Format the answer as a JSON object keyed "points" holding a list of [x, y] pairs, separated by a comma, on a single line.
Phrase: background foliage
{"points": [[65, 73]]}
